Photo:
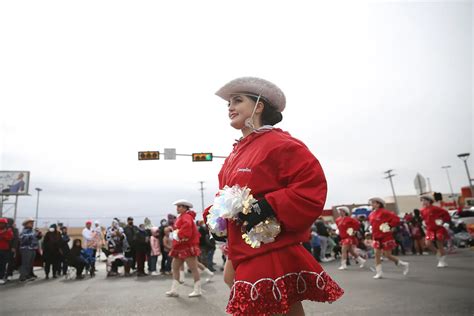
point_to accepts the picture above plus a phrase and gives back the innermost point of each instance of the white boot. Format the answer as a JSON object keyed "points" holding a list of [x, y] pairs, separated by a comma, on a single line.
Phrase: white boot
{"points": [[405, 265], [181, 277], [442, 262], [209, 273], [174, 289], [361, 262], [343, 264], [197, 290], [379, 274]]}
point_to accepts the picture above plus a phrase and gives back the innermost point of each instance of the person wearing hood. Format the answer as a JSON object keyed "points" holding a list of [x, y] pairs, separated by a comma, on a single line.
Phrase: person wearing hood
{"points": [[6, 236], [142, 248], [347, 227], [80, 258], [117, 245], [52, 251], [383, 221], [185, 247], [288, 184], [155, 250]]}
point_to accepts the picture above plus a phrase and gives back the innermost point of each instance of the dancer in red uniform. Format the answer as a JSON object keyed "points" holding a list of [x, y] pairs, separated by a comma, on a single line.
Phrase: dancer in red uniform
{"points": [[434, 218], [185, 247], [382, 222], [289, 184], [347, 227]]}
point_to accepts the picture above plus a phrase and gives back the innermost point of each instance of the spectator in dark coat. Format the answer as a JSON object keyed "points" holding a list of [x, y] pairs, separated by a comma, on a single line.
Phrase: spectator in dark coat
{"points": [[52, 251], [14, 249], [65, 250], [142, 247], [131, 232]]}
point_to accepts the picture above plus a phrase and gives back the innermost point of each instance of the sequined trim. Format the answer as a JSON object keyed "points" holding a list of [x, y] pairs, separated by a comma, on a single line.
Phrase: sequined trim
{"points": [[299, 280], [269, 296]]}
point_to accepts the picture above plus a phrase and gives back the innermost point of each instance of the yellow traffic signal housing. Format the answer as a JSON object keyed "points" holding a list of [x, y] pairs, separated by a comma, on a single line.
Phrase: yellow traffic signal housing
{"points": [[148, 155], [202, 157]]}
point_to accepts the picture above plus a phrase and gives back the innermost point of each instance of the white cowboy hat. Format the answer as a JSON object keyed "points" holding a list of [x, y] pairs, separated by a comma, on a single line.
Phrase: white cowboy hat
{"points": [[183, 202], [427, 197], [377, 199], [29, 219], [345, 209], [257, 87]]}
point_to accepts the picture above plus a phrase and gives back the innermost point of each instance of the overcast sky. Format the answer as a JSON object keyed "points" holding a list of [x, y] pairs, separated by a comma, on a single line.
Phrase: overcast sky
{"points": [[86, 85]]}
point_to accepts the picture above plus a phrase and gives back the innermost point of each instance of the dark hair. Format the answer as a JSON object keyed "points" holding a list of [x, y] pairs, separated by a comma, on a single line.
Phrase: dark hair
{"points": [[270, 115]]}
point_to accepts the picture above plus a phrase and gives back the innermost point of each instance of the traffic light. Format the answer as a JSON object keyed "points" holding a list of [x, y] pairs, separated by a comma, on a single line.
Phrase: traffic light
{"points": [[202, 157], [437, 196], [148, 155]]}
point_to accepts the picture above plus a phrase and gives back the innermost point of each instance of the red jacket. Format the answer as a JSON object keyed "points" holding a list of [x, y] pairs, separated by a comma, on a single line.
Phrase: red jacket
{"points": [[346, 222], [380, 216], [6, 236], [431, 213], [187, 231], [281, 169]]}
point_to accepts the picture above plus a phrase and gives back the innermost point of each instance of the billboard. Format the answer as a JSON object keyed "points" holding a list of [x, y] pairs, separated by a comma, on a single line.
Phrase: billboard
{"points": [[14, 182]]}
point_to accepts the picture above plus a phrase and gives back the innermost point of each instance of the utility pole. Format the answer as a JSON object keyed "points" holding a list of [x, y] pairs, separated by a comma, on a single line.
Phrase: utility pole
{"points": [[449, 180], [390, 176], [202, 194], [464, 158], [37, 205]]}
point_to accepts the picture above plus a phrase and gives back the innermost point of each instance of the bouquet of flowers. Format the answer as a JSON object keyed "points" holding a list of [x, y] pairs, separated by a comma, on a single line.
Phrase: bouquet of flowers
{"points": [[228, 203], [439, 222], [384, 228], [350, 231]]}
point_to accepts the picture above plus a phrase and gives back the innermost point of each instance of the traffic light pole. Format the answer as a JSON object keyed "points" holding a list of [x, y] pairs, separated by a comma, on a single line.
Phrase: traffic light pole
{"points": [[202, 194], [390, 176]]}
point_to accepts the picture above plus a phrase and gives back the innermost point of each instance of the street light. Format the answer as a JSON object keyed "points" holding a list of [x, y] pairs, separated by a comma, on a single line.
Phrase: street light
{"points": [[449, 179], [464, 158], [37, 205]]}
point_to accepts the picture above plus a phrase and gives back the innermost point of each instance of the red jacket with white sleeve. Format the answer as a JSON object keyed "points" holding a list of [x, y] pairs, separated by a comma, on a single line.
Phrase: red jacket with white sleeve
{"points": [[432, 213], [346, 222], [379, 217], [187, 231]]}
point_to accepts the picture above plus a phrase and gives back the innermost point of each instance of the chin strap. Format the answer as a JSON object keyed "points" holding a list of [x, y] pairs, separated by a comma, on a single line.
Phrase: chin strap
{"points": [[249, 121]]}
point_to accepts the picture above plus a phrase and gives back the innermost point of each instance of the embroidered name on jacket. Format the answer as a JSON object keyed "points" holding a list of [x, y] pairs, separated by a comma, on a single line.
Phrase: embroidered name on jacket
{"points": [[244, 170]]}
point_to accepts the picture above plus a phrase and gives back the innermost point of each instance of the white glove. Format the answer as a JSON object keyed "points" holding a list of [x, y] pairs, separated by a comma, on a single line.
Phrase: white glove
{"points": [[385, 228], [174, 235], [350, 231], [439, 222]]}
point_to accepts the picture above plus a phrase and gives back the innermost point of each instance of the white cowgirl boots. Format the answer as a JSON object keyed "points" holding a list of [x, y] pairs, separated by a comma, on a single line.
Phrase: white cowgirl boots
{"points": [[209, 273], [197, 289], [361, 262], [405, 265], [442, 262], [378, 269], [174, 289], [343, 264]]}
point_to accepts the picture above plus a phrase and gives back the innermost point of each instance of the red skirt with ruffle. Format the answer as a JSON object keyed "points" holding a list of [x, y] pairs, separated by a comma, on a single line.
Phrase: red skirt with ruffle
{"points": [[185, 252], [350, 241], [271, 283], [440, 234]]}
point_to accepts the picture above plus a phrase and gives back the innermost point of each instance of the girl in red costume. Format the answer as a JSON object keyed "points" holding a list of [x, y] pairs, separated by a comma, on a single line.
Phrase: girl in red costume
{"points": [[347, 227], [185, 247], [434, 218], [382, 222], [289, 184]]}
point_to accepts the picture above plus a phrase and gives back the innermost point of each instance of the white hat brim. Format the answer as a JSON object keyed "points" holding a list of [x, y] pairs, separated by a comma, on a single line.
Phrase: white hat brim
{"points": [[183, 202], [254, 86]]}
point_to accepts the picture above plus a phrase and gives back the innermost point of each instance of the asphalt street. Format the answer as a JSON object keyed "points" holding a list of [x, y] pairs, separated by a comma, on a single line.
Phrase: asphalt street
{"points": [[425, 291]]}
